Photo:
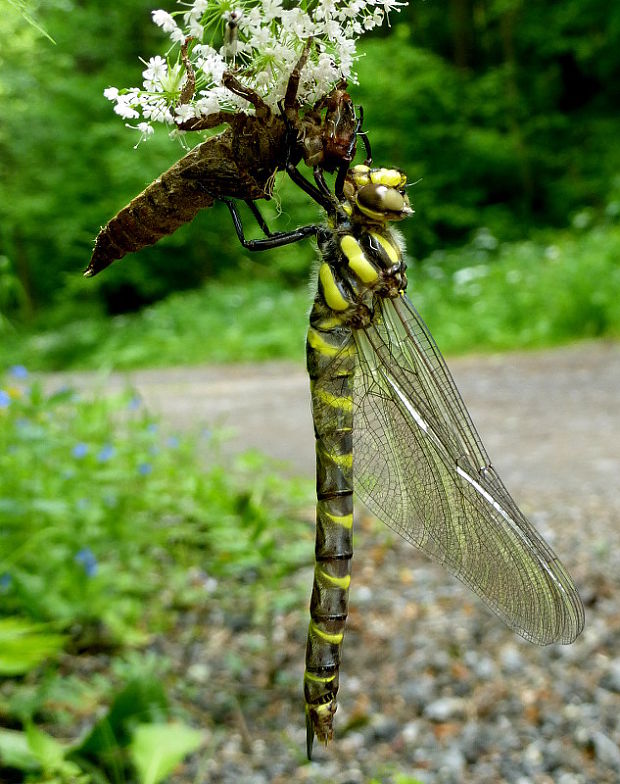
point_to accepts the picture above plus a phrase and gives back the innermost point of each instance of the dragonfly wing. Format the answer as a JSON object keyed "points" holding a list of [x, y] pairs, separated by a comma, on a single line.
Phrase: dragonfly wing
{"points": [[420, 466]]}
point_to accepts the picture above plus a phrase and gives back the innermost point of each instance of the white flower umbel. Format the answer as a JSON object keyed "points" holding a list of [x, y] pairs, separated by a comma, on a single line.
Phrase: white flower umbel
{"points": [[260, 41]]}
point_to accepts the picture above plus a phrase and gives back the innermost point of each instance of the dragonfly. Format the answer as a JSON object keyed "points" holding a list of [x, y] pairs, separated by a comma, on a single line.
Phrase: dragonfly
{"points": [[389, 421], [391, 426]]}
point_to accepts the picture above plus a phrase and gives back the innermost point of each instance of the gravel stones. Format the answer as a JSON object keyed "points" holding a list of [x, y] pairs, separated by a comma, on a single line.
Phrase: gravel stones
{"points": [[441, 692]]}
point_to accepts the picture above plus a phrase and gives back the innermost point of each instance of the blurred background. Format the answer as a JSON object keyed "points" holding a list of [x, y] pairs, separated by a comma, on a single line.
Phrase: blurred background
{"points": [[148, 585], [504, 114]]}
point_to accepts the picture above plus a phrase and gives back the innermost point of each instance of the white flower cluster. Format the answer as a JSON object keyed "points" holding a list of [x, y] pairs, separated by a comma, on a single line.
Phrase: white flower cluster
{"points": [[261, 41]]}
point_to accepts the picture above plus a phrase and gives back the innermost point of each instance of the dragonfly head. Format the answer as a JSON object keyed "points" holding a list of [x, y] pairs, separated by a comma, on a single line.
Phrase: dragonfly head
{"points": [[378, 194]]}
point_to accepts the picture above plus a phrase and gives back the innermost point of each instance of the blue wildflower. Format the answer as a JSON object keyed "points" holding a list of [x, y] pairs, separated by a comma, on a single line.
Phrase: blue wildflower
{"points": [[80, 450], [134, 403], [106, 452], [172, 442], [145, 468], [18, 371], [152, 427], [5, 399], [5, 582], [86, 558]]}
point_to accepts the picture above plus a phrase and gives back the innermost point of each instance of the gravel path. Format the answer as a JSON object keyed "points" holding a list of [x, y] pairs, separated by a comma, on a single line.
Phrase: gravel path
{"points": [[433, 687]]}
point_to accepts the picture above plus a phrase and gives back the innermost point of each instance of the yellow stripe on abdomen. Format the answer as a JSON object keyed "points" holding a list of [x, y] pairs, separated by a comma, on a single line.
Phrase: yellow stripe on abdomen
{"points": [[334, 401], [331, 580], [342, 461], [309, 676], [327, 349], [333, 638], [346, 521]]}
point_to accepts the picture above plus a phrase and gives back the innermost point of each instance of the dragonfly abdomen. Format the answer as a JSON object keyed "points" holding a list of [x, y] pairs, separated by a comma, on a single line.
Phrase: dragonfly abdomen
{"points": [[354, 265], [332, 406]]}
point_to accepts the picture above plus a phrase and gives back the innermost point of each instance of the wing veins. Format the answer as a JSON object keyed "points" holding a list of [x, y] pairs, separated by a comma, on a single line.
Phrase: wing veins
{"points": [[477, 516]]}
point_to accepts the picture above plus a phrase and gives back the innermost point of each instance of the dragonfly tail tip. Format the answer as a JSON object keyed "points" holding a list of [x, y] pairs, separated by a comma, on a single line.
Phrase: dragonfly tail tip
{"points": [[309, 737]]}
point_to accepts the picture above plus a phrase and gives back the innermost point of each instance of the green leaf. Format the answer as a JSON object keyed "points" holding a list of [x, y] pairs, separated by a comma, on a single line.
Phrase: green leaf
{"points": [[48, 751], [15, 751], [23, 8], [156, 749], [141, 700], [51, 753], [24, 645]]}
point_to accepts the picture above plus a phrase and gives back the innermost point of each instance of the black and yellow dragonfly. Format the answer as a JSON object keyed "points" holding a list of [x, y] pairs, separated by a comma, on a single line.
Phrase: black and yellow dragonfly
{"points": [[390, 425], [389, 421]]}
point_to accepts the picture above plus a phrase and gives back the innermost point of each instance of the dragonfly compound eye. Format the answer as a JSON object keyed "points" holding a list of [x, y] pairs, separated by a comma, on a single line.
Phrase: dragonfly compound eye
{"points": [[383, 202]]}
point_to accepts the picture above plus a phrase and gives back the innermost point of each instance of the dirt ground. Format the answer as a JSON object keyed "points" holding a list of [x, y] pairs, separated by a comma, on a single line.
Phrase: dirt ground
{"points": [[433, 687], [550, 419]]}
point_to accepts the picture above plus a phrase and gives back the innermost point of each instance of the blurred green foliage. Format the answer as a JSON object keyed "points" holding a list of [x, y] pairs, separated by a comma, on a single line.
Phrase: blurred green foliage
{"points": [[24, 645], [81, 479], [131, 733], [503, 111], [488, 295], [111, 529]]}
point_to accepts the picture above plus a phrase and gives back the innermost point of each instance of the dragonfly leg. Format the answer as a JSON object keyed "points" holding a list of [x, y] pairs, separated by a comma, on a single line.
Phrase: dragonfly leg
{"points": [[322, 199], [233, 84], [273, 240], [253, 207]]}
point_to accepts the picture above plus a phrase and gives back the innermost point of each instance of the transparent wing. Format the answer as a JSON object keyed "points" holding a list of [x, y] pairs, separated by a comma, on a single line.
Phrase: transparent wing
{"points": [[421, 468]]}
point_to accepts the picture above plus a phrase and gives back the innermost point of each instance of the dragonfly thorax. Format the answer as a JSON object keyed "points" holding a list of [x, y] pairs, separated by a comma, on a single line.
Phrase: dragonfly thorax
{"points": [[358, 265], [361, 257]]}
